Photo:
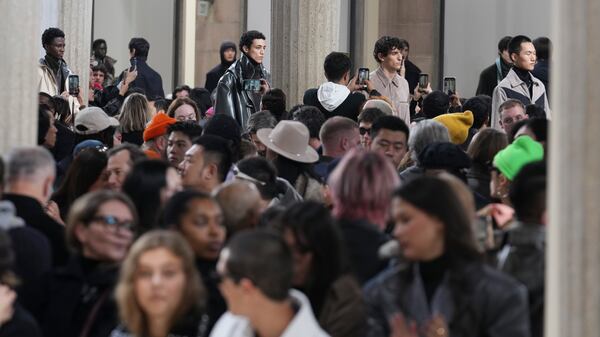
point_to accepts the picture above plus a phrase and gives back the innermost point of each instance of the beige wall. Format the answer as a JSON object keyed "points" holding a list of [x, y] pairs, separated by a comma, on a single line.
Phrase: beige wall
{"points": [[224, 22], [416, 22]]}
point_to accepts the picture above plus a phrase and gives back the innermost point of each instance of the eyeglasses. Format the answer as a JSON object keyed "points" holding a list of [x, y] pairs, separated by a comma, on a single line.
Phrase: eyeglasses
{"points": [[111, 221], [241, 175], [363, 130]]}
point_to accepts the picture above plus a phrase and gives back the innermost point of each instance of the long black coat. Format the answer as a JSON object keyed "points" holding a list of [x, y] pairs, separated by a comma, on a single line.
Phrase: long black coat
{"points": [[231, 98]]}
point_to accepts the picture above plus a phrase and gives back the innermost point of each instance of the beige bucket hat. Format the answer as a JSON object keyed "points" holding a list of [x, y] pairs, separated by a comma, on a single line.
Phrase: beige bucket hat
{"points": [[289, 139]]}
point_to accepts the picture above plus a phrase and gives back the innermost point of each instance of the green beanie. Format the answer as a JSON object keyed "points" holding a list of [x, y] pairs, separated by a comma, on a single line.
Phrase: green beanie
{"points": [[521, 152]]}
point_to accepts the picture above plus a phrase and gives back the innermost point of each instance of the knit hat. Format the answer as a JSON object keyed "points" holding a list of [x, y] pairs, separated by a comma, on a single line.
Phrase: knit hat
{"points": [[445, 156], [379, 104], [93, 120], [458, 125], [225, 126], [158, 126], [521, 152]]}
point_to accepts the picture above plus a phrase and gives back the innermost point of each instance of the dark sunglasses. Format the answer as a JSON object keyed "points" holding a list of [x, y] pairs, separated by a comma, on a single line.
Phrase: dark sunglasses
{"points": [[363, 131], [112, 221]]}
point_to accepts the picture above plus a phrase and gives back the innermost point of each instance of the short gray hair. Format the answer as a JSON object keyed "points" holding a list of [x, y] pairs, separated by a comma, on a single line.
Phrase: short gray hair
{"points": [[425, 133], [28, 163], [261, 120]]}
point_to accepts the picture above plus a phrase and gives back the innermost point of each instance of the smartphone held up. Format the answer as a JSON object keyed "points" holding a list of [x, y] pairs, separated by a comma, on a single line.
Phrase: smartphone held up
{"points": [[450, 85], [73, 83]]}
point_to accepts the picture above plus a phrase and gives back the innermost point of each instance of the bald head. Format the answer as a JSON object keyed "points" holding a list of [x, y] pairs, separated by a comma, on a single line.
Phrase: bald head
{"points": [[241, 205], [338, 136]]}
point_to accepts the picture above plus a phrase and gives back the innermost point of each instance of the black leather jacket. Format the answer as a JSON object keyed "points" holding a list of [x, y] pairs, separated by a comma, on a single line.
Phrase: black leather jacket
{"points": [[231, 98]]}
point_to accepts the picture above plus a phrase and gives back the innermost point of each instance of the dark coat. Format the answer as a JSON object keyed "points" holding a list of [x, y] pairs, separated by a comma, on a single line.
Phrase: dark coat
{"points": [[147, 79], [525, 262], [363, 240], [72, 292], [216, 303], [488, 79], [349, 108], [231, 97], [214, 75], [411, 74], [22, 324], [478, 179], [344, 313], [33, 260], [542, 73], [35, 217], [490, 303]]}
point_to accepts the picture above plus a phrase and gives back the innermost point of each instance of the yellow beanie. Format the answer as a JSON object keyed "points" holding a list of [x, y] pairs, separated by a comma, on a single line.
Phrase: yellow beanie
{"points": [[458, 125]]}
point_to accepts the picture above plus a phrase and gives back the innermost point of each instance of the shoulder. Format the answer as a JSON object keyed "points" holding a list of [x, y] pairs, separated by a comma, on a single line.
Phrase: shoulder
{"points": [[384, 283], [230, 325], [21, 324], [495, 285]]}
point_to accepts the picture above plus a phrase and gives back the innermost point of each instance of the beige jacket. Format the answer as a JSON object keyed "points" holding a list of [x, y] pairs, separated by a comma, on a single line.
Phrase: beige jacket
{"points": [[47, 84], [396, 90]]}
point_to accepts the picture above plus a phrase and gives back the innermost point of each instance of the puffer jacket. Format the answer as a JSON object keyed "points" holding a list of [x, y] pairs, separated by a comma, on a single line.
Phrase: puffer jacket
{"points": [[491, 304], [231, 97]]}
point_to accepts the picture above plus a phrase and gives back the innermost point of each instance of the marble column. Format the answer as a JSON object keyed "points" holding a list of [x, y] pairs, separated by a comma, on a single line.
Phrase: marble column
{"points": [[573, 259], [303, 33], [20, 32], [75, 19]]}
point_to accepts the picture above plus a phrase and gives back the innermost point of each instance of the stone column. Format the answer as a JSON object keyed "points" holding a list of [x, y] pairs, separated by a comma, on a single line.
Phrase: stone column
{"points": [[75, 20], [573, 272], [20, 31], [303, 33]]}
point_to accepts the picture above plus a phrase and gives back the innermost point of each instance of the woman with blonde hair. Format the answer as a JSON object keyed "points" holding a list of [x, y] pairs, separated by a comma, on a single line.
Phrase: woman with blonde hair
{"points": [[159, 292], [133, 118]]}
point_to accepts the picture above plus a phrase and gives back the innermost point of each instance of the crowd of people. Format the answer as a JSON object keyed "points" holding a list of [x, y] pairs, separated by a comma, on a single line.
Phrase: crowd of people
{"points": [[377, 206]]}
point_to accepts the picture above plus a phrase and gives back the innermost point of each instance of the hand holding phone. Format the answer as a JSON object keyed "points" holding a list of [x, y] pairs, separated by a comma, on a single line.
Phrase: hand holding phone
{"points": [[73, 83], [252, 85], [450, 85], [363, 76], [423, 81]]}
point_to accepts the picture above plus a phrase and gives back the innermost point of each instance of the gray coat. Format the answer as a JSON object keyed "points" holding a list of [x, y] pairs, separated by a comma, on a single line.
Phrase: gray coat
{"points": [[491, 304], [513, 87]]}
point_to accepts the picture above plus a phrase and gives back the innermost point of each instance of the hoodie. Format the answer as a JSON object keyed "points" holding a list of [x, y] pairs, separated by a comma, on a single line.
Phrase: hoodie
{"points": [[335, 100], [213, 76]]}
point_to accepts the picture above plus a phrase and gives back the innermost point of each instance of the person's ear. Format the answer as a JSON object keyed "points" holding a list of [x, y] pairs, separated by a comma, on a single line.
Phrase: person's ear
{"points": [[80, 232], [210, 171], [514, 59], [380, 57], [247, 285], [344, 143], [245, 49], [47, 187]]}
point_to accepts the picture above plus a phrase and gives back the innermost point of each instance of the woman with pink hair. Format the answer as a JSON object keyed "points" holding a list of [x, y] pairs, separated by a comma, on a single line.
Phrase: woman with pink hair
{"points": [[361, 188]]}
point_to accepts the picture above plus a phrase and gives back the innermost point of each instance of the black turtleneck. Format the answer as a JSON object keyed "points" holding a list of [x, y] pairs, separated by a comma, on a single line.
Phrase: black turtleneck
{"points": [[251, 70], [55, 65], [525, 76], [432, 273]]}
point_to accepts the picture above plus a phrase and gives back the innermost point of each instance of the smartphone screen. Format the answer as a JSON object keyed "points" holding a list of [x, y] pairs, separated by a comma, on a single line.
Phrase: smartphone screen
{"points": [[73, 85], [450, 85], [423, 80], [363, 75], [252, 85]]}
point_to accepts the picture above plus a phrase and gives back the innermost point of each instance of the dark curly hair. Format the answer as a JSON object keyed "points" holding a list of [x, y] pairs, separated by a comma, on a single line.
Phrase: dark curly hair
{"points": [[249, 36], [384, 45], [50, 34]]}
